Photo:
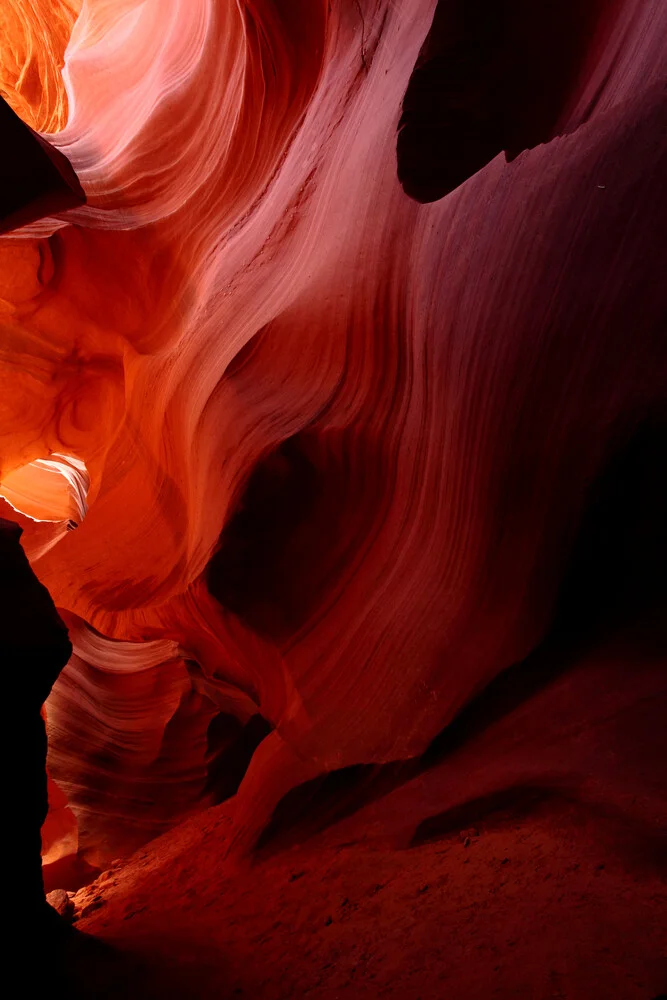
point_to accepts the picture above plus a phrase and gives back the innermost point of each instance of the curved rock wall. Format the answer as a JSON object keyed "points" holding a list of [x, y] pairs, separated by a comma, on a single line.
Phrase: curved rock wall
{"points": [[338, 442]]}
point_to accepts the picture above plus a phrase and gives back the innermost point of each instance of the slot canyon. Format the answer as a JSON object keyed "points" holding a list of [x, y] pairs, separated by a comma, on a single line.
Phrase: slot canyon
{"points": [[333, 498]]}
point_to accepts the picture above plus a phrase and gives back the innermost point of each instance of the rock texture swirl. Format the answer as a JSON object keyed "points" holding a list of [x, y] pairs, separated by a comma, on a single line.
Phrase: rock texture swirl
{"points": [[327, 447]]}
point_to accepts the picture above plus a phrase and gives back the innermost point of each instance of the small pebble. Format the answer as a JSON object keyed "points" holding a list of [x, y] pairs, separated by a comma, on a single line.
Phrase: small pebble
{"points": [[62, 903]]}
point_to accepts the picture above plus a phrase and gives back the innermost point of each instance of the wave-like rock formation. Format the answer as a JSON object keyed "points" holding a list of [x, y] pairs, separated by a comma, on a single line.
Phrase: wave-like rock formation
{"points": [[327, 448]]}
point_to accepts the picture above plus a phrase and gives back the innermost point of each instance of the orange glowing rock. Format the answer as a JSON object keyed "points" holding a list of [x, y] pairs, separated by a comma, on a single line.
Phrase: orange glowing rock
{"points": [[34, 39]]}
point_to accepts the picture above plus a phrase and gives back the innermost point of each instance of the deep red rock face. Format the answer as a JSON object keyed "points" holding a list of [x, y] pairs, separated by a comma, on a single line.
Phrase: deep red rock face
{"points": [[328, 449]]}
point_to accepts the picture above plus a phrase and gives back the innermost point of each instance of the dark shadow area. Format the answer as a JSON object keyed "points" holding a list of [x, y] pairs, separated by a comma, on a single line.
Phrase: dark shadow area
{"points": [[246, 573], [83, 967], [618, 567], [230, 748], [304, 513], [492, 75], [317, 804], [88, 968], [641, 845], [34, 648], [36, 180], [505, 805]]}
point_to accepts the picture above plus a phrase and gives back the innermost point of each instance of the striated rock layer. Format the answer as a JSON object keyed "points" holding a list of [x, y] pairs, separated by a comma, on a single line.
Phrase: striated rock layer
{"points": [[328, 449]]}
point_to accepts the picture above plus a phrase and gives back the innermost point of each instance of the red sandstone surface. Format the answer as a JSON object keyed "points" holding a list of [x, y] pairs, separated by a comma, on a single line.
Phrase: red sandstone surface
{"points": [[342, 395], [528, 862]]}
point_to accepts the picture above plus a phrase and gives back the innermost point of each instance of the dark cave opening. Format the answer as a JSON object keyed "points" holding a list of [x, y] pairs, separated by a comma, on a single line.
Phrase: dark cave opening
{"points": [[491, 76]]}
